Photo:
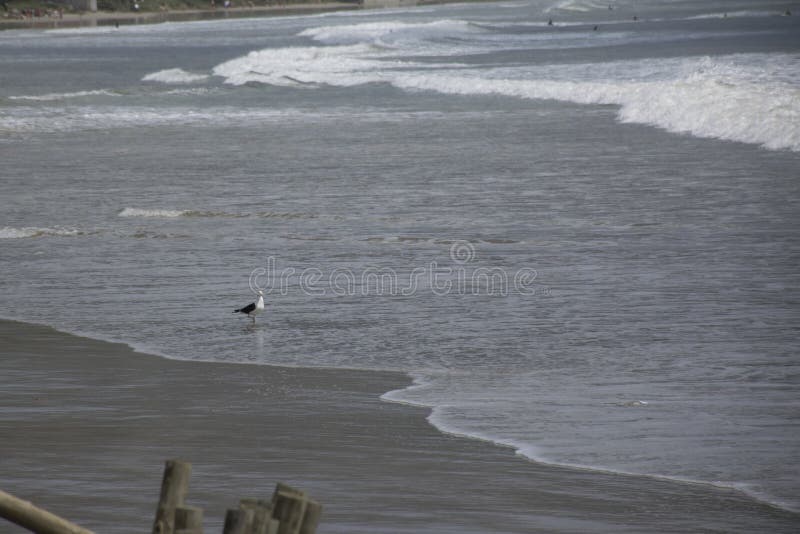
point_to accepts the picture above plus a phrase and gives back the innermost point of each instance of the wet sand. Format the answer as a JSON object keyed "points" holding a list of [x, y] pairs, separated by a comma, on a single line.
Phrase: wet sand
{"points": [[86, 425]]}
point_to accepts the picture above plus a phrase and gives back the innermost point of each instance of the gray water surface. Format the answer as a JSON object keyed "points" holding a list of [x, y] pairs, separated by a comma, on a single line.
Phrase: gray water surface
{"points": [[643, 176]]}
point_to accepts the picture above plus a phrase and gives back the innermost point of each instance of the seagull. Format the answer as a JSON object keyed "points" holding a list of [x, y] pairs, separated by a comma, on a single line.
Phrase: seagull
{"points": [[254, 308]]}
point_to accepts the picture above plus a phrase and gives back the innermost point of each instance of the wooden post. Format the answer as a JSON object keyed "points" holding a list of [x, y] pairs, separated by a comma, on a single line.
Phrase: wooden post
{"points": [[262, 511], [311, 517], [289, 509], [280, 487], [236, 521], [174, 487], [310, 511], [188, 520], [34, 518]]}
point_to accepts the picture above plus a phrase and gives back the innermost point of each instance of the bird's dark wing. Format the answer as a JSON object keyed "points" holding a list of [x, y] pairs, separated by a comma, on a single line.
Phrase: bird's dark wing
{"points": [[247, 309]]}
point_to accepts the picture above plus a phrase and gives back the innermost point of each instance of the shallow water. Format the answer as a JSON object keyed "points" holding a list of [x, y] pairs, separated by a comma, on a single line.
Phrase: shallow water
{"points": [[581, 243]]}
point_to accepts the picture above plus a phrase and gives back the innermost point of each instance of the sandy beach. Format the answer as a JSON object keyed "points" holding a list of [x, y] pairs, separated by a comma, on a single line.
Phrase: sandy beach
{"points": [[86, 426]]}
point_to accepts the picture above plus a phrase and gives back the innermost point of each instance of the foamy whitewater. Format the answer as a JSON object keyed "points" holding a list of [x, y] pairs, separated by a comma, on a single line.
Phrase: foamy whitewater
{"points": [[640, 174]]}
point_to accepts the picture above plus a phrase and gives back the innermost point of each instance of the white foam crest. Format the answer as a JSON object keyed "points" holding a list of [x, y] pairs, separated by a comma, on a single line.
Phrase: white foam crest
{"points": [[579, 6], [706, 98], [338, 65], [64, 96], [541, 24], [733, 14], [174, 76], [81, 30], [86, 118], [189, 92], [9, 232], [152, 213], [75, 118], [388, 32], [750, 98]]}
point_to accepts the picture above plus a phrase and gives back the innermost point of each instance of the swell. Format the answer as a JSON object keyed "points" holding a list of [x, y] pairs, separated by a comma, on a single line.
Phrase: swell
{"points": [[10, 232], [160, 213], [50, 97]]}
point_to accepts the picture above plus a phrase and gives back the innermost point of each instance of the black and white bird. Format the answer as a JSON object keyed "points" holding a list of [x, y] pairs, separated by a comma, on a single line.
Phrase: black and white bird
{"points": [[254, 308]]}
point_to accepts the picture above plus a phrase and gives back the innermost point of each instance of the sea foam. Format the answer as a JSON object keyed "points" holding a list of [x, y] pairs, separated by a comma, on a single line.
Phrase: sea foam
{"points": [[157, 213], [9, 232], [580, 6], [174, 76], [64, 96], [76, 118], [338, 65], [388, 32], [154, 213], [749, 98]]}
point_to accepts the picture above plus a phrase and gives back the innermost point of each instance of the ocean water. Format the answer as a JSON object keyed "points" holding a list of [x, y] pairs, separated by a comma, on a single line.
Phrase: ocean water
{"points": [[581, 243]]}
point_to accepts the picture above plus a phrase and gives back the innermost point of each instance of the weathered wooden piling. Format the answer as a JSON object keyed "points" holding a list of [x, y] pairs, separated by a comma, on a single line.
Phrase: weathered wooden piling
{"points": [[35, 519], [311, 518], [188, 520], [174, 488], [297, 513], [290, 511], [237, 520], [280, 487], [262, 514]]}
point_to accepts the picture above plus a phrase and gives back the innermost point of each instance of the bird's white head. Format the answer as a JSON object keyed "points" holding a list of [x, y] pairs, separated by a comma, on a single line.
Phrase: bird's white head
{"points": [[261, 293]]}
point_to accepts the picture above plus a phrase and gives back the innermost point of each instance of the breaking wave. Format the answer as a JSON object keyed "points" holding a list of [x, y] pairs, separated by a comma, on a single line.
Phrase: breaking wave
{"points": [[156, 213], [64, 96], [153, 213], [172, 214], [72, 118], [722, 98], [336, 65], [174, 76], [389, 33], [749, 98], [580, 6], [9, 232]]}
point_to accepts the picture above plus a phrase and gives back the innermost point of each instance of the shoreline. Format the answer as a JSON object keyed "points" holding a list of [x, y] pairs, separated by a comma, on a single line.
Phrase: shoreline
{"points": [[91, 422], [110, 18], [90, 19]]}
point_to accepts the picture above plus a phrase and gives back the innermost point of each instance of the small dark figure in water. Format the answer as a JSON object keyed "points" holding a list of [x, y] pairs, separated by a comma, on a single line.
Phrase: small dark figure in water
{"points": [[595, 28], [635, 18], [116, 24], [788, 13], [550, 22]]}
